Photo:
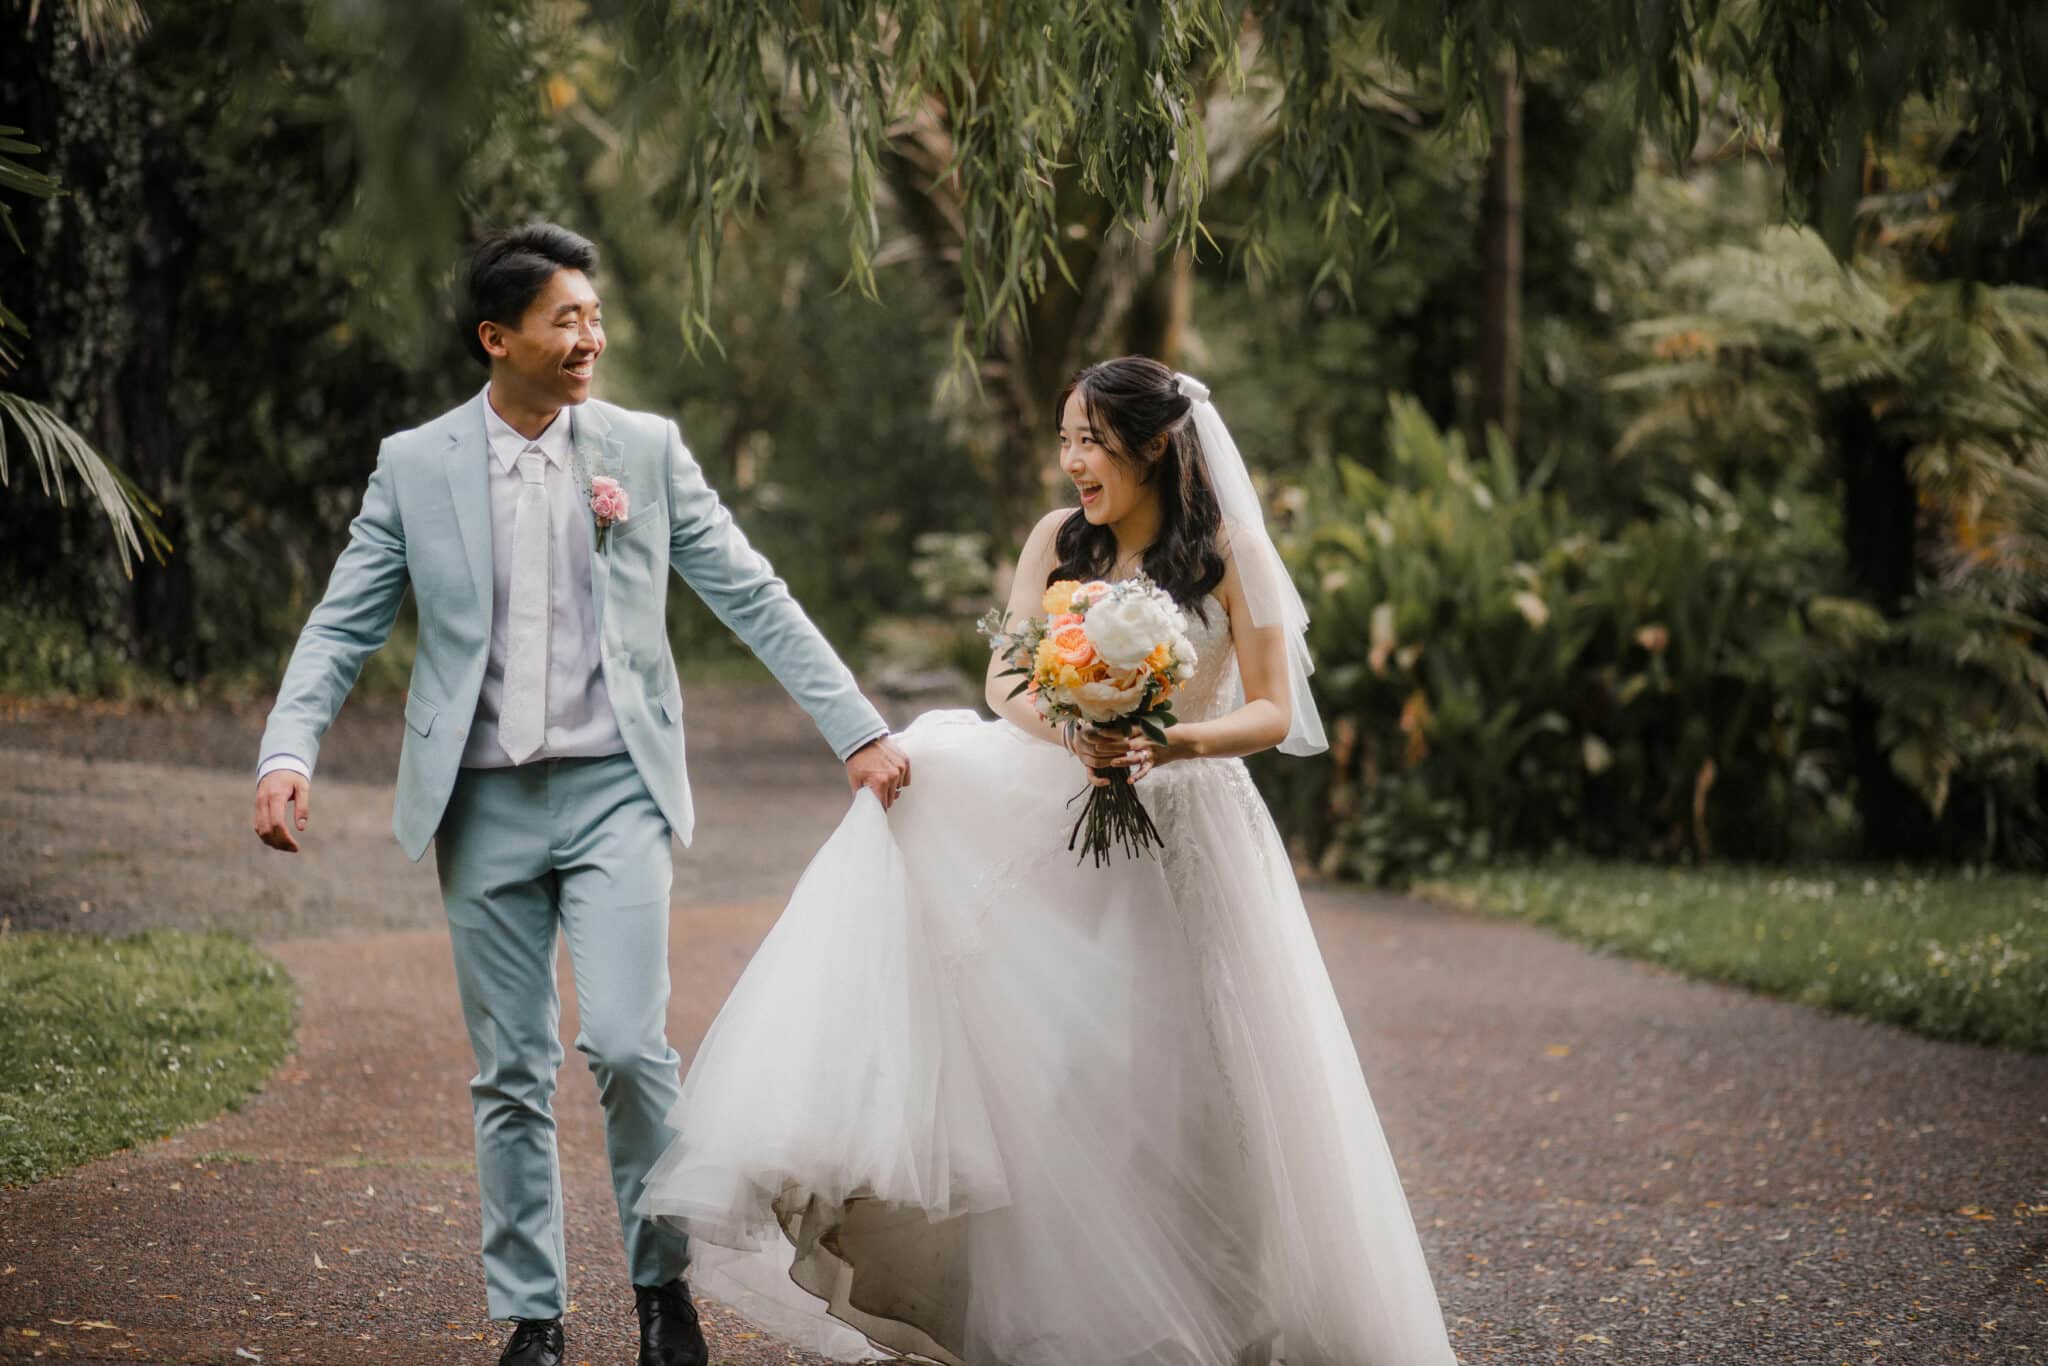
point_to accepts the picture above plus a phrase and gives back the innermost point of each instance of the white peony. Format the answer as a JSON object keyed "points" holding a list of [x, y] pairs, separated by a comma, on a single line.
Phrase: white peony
{"points": [[1184, 659], [1101, 702], [1127, 627]]}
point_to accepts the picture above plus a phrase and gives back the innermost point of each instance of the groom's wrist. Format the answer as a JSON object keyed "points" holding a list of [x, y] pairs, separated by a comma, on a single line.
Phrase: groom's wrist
{"points": [[852, 750], [290, 763]]}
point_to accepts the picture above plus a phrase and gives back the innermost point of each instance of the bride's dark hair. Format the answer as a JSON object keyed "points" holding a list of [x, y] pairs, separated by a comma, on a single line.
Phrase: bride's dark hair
{"points": [[1131, 401]]}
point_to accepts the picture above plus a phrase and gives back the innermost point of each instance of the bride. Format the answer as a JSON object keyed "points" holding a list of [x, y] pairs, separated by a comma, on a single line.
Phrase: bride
{"points": [[974, 1102]]}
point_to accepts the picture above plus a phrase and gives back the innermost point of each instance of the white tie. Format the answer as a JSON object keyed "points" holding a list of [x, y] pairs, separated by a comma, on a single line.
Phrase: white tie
{"points": [[523, 717]]}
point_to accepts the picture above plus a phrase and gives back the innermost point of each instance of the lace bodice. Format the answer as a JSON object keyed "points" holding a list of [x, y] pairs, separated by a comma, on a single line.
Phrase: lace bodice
{"points": [[1216, 687]]}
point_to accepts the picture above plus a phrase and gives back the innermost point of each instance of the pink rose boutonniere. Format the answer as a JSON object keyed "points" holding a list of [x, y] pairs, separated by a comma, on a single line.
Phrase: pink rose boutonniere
{"points": [[608, 502]]}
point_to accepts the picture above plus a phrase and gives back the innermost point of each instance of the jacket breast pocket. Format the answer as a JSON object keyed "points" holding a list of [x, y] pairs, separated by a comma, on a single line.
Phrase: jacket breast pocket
{"points": [[635, 526], [420, 714]]}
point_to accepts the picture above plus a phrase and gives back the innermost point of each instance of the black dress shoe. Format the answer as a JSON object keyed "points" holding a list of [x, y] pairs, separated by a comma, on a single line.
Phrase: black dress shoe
{"points": [[669, 1332], [535, 1342]]}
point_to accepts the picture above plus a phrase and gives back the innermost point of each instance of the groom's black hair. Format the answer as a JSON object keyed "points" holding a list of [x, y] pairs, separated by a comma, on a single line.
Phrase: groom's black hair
{"points": [[508, 270]]}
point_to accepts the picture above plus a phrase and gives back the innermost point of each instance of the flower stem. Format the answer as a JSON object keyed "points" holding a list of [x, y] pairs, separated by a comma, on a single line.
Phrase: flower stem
{"points": [[1113, 817]]}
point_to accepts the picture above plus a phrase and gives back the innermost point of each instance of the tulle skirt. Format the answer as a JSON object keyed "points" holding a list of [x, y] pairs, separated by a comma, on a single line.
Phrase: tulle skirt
{"points": [[975, 1103]]}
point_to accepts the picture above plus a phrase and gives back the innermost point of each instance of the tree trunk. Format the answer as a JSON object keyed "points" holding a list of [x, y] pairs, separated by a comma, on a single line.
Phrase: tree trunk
{"points": [[1158, 321], [1500, 341], [1130, 298], [163, 601], [1879, 516]]}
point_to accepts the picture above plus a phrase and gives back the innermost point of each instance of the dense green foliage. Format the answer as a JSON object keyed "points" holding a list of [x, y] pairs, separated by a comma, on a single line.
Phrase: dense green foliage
{"points": [[256, 419], [112, 1042], [1675, 664], [1032, 94], [1759, 574], [1508, 677], [1952, 956]]}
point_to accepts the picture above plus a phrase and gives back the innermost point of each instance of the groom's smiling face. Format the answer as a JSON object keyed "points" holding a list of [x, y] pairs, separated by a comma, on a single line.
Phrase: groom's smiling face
{"points": [[550, 356]]}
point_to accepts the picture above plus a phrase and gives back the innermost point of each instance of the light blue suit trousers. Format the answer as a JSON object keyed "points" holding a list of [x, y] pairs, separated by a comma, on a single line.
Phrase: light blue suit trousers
{"points": [[579, 844]]}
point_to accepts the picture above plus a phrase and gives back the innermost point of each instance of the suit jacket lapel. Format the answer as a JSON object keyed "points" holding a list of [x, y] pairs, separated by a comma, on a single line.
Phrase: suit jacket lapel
{"points": [[469, 486], [597, 452]]}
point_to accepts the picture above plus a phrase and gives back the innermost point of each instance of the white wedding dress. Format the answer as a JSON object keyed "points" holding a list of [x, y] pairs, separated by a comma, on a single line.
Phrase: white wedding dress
{"points": [[988, 1106]]}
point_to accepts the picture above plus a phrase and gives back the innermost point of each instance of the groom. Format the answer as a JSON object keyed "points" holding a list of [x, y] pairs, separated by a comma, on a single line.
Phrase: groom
{"points": [[543, 750]]}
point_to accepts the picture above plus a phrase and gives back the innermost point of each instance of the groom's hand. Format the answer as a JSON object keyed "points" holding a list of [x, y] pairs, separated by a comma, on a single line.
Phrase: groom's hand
{"points": [[281, 788], [881, 768]]}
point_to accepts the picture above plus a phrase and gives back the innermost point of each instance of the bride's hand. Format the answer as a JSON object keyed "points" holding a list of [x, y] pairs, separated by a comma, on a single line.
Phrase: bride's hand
{"points": [[1143, 754], [1097, 748]]}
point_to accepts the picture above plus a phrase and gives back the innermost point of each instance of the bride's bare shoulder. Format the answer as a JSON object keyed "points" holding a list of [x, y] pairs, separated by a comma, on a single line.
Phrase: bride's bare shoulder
{"points": [[1049, 525], [1039, 546]]}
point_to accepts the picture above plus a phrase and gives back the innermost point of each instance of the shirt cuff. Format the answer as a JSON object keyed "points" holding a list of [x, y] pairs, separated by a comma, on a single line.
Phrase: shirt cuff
{"points": [[854, 749], [291, 763]]}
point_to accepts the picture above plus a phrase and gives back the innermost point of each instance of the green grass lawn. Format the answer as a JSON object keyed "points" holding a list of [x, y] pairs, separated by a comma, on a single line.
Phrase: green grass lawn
{"points": [[112, 1042], [1949, 955]]}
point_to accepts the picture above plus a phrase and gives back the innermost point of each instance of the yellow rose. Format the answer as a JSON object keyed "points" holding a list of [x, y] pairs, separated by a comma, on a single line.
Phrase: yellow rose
{"points": [[1060, 597]]}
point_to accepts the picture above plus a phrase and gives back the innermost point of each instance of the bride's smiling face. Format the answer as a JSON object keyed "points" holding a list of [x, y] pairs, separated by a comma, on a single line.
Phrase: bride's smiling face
{"points": [[1108, 483]]}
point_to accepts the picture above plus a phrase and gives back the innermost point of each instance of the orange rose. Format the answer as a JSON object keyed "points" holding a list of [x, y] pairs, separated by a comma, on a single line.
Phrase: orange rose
{"points": [[1072, 644]]}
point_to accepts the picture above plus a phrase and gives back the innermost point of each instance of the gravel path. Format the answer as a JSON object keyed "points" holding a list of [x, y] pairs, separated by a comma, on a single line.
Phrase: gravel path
{"points": [[1607, 1162]]}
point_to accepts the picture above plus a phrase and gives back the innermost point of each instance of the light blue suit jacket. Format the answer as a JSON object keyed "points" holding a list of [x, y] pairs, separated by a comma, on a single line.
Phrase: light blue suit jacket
{"points": [[426, 521]]}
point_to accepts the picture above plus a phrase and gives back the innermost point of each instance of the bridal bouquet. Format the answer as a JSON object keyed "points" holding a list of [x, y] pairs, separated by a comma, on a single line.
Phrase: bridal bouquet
{"points": [[1111, 654]]}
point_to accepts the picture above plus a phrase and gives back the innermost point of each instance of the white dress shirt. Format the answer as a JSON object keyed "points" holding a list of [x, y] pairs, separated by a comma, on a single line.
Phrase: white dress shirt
{"points": [[580, 721]]}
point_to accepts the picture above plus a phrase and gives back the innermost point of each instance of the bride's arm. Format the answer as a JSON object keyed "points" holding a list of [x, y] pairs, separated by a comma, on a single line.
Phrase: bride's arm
{"points": [[1027, 596], [1261, 723]]}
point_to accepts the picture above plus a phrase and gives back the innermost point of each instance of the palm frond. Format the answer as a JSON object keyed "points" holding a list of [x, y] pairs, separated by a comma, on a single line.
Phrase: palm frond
{"points": [[106, 21], [52, 446]]}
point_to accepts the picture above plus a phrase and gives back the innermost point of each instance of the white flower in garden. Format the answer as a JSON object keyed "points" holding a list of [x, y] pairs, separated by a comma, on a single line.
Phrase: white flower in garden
{"points": [[1127, 627]]}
